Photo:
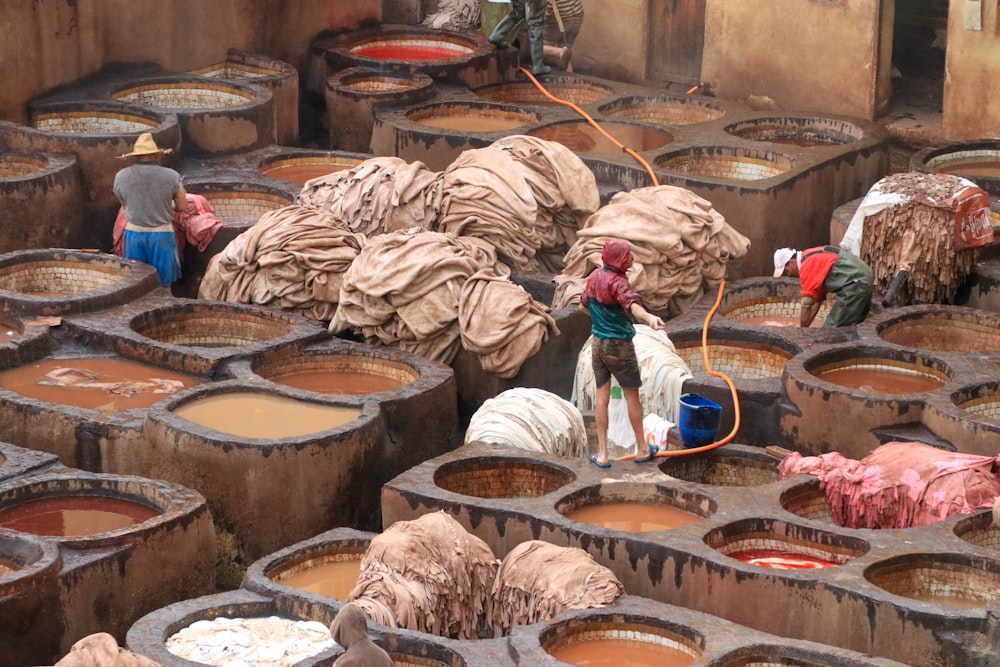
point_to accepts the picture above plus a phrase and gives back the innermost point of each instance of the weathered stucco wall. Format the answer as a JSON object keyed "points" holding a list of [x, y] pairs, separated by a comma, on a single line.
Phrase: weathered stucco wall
{"points": [[52, 42], [971, 84], [612, 42], [806, 55]]}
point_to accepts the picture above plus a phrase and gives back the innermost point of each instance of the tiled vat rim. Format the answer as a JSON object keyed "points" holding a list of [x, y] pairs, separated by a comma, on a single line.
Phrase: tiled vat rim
{"points": [[461, 108], [632, 630], [224, 326], [187, 94], [578, 91], [334, 362], [663, 110], [740, 359], [733, 166], [335, 160], [374, 83], [60, 276], [770, 305], [402, 40], [501, 478], [978, 530], [238, 206], [92, 122], [984, 406], [756, 128], [721, 470], [235, 70], [969, 155], [19, 166], [935, 578]]}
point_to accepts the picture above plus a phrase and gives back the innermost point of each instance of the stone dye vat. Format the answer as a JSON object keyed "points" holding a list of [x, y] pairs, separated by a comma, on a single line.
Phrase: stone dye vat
{"points": [[804, 132], [97, 132], [733, 465], [727, 164], [725, 564], [59, 282], [452, 57], [938, 329], [352, 94], [662, 109], [958, 582], [569, 87], [297, 166], [768, 303], [125, 546], [216, 117], [633, 508], [274, 467], [581, 137], [502, 477], [622, 640], [195, 336], [41, 201], [978, 161], [279, 77], [29, 572], [436, 133], [17, 461], [843, 393]]}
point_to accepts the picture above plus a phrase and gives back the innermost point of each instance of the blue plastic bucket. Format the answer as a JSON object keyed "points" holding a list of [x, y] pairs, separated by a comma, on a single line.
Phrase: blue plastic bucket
{"points": [[698, 420]]}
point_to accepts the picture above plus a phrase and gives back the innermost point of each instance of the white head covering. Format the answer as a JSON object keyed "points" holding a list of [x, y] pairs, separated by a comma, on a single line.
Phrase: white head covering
{"points": [[782, 257]]}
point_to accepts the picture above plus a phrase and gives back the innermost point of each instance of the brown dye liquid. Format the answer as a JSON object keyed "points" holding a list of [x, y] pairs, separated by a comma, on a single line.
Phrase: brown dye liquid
{"points": [[127, 384], [473, 123], [880, 380], [334, 579], [300, 173], [974, 170], [621, 653], [950, 601], [254, 415], [582, 138], [7, 334], [633, 517], [802, 142], [340, 382], [779, 321], [74, 515]]}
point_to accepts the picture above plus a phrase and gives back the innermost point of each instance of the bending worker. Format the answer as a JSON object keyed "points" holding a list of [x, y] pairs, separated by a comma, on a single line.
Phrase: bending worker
{"points": [[534, 11], [612, 303], [150, 193], [828, 269]]}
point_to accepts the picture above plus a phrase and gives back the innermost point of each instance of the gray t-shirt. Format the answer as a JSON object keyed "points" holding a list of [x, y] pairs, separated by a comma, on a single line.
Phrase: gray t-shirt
{"points": [[148, 192]]}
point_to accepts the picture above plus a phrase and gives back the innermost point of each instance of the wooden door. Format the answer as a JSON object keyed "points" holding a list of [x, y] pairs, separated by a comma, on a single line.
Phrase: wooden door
{"points": [[676, 40]]}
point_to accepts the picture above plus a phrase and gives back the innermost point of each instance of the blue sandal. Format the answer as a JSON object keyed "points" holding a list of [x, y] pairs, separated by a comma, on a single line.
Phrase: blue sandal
{"points": [[593, 459], [653, 451]]}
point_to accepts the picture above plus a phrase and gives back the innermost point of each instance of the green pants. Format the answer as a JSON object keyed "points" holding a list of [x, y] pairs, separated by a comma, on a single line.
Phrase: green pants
{"points": [[853, 282]]}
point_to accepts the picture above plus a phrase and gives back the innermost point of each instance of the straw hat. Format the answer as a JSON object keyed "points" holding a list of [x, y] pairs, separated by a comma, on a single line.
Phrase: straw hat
{"points": [[145, 145]]}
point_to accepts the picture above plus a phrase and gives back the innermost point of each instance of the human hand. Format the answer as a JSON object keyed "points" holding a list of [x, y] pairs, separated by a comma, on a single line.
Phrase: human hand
{"points": [[655, 323]]}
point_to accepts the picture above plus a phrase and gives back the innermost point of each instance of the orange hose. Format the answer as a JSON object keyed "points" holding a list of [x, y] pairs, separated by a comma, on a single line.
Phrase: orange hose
{"points": [[594, 123], [718, 374]]}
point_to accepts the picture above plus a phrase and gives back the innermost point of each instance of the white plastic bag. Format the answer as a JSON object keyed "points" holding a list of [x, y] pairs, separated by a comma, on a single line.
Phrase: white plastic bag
{"points": [[655, 429], [620, 432]]}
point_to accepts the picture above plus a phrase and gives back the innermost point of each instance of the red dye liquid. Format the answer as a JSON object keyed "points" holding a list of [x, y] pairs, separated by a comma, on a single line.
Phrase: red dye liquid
{"points": [[782, 560], [409, 52], [343, 382], [621, 653], [880, 381], [74, 515]]}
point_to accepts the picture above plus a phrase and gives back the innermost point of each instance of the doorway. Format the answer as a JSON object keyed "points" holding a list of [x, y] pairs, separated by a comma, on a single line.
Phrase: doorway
{"points": [[676, 41]]}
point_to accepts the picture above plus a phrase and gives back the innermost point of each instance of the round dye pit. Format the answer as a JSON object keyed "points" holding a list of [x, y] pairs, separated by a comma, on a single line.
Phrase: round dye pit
{"points": [[724, 163], [803, 132], [571, 89], [783, 656], [74, 516], [501, 477], [263, 416], [617, 641], [981, 401], [188, 93], [53, 282], [942, 329], [22, 558], [730, 465], [331, 575], [956, 581], [14, 167], [211, 326], [808, 501], [581, 137], [634, 508], [303, 166], [469, 117], [776, 545], [662, 109], [96, 119], [978, 161], [740, 360], [93, 383], [239, 204], [336, 373], [882, 375], [769, 304], [979, 531], [398, 45]]}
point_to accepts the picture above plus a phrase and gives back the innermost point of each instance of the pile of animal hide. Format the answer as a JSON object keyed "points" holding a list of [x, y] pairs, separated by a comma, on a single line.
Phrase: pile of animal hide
{"points": [[663, 373], [538, 580], [680, 246], [428, 575], [531, 419], [382, 194], [294, 258], [525, 196], [900, 484], [101, 650], [907, 222], [458, 15], [429, 293]]}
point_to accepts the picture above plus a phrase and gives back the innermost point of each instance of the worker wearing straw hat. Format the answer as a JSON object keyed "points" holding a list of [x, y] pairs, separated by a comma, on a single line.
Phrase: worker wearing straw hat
{"points": [[828, 269], [150, 193]]}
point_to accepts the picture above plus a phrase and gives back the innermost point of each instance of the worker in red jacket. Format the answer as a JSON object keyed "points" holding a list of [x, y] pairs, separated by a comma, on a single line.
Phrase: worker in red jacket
{"points": [[828, 269]]}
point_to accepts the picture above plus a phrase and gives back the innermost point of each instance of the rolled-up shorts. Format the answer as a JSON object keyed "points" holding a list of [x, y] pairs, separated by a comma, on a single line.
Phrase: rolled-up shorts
{"points": [[615, 356], [158, 249]]}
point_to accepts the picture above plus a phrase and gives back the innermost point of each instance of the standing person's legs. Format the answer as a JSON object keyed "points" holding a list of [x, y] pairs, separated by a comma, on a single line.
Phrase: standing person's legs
{"points": [[535, 13], [158, 249], [853, 303], [503, 31], [602, 378]]}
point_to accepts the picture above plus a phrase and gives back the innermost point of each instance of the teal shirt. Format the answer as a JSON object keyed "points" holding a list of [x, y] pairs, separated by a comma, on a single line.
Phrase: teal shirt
{"points": [[610, 321]]}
